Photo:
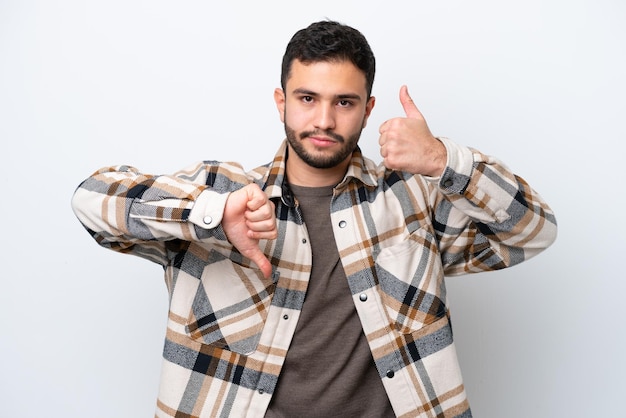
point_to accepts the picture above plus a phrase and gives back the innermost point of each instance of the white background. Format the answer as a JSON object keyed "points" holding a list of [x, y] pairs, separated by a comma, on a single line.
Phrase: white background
{"points": [[163, 84]]}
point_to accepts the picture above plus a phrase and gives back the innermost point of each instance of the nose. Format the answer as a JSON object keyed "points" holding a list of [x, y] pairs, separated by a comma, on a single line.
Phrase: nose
{"points": [[325, 117]]}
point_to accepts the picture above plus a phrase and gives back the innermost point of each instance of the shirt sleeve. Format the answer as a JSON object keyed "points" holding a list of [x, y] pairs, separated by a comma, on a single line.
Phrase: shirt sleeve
{"points": [[131, 212], [485, 216]]}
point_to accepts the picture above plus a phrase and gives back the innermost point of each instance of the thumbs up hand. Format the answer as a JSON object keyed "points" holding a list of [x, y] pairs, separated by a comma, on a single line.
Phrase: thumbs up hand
{"points": [[406, 144]]}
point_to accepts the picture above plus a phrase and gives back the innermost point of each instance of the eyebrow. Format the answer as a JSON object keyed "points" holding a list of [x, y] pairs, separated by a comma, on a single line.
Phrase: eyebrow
{"points": [[344, 96]]}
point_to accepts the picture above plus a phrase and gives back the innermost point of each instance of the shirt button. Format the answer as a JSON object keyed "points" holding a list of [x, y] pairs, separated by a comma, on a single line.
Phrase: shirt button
{"points": [[362, 297], [390, 374], [207, 220], [285, 316], [448, 183], [304, 240], [342, 224], [261, 391]]}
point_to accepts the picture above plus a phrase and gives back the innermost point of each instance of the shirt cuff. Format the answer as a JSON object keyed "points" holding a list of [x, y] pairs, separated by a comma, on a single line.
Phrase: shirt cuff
{"points": [[208, 209], [459, 166]]}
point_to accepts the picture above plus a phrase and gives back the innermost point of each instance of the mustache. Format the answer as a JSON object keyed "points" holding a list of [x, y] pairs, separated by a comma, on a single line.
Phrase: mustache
{"points": [[318, 132]]}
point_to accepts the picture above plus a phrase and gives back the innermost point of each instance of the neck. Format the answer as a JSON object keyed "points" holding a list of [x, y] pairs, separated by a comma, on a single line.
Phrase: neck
{"points": [[302, 174]]}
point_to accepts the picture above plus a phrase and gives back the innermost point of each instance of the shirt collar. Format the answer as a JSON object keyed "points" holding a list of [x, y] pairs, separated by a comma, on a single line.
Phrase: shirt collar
{"points": [[360, 169]]}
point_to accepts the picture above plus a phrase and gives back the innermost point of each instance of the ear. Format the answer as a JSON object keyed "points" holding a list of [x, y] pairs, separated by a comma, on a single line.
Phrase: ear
{"points": [[368, 109], [279, 99]]}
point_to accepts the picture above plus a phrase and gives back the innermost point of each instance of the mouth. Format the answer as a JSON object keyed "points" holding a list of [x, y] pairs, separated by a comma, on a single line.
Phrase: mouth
{"points": [[324, 140], [321, 141]]}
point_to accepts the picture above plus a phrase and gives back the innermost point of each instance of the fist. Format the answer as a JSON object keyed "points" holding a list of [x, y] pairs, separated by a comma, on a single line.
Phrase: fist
{"points": [[249, 216]]}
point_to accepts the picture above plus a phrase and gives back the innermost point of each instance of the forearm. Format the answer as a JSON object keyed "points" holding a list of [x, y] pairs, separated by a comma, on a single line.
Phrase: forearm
{"points": [[494, 219], [122, 207]]}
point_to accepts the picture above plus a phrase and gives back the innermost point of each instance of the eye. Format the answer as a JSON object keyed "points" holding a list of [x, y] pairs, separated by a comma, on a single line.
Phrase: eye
{"points": [[307, 99], [344, 103]]}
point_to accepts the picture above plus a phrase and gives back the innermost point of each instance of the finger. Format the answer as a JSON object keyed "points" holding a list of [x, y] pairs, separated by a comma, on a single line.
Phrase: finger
{"points": [[256, 197], [263, 213], [383, 127], [262, 225], [266, 234], [410, 109], [382, 139]]}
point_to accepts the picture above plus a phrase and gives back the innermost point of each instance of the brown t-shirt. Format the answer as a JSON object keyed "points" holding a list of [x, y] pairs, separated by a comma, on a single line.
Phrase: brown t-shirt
{"points": [[329, 370]]}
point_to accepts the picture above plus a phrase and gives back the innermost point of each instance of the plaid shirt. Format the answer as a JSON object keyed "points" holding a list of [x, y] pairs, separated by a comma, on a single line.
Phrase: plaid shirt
{"points": [[229, 328]]}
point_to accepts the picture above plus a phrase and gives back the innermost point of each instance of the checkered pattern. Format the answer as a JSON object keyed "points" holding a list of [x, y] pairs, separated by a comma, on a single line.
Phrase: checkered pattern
{"points": [[229, 328]]}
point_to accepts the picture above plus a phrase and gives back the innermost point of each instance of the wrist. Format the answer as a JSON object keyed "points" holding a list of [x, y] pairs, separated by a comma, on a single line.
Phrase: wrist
{"points": [[438, 159]]}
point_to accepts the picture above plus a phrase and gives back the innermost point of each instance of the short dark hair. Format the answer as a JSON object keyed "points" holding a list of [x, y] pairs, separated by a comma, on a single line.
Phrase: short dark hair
{"points": [[330, 41]]}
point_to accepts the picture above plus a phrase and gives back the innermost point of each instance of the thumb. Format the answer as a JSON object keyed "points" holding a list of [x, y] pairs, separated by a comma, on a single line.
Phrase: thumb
{"points": [[408, 105], [258, 258]]}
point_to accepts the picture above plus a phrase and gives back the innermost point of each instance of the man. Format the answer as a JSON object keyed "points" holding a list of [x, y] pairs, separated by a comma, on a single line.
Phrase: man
{"points": [[314, 285]]}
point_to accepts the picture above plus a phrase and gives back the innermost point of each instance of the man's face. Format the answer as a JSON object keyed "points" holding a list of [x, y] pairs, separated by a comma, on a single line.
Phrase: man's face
{"points": [[324, 108]]}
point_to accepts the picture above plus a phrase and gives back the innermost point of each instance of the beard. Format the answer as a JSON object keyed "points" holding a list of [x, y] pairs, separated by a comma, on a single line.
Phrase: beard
{"points": [[322, 160]]}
